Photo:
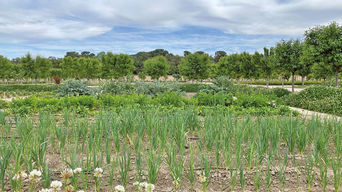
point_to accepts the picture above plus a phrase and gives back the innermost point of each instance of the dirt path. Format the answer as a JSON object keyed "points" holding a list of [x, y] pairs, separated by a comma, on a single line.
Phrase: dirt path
{"points": [[288, 87], [310, 114]]}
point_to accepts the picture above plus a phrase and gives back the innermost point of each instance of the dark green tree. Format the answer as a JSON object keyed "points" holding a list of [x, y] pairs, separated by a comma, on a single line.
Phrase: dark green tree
{"points": [[218, 55], [6, 68], [267, 64], [28, 66], [326, 43], [116, 65], [156, 67], [195, 66], [43, 67], [230, 66], [288, 54]]}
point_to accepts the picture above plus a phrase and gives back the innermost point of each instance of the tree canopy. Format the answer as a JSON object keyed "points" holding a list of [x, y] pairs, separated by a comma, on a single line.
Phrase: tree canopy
{"points": [[156, 67]]}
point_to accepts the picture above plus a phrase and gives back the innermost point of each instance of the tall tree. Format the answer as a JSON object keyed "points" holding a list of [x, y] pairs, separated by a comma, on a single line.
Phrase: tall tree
{"points": [[43, 67], [306, 62], [28, 66], [116, 66], [6, 68], [326, 42], [195, 66], [218, 55], [248, 69], [230, 66], [156, 67], [267, 64], [322, 71], [288, 54], [93, 68], [69, 67]]}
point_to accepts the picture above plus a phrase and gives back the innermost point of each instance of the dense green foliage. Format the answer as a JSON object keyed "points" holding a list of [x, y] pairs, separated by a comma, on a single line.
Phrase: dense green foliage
{"points": [[321, 99], [243, 103], [74, 88], [28, 87], [195, 66], [325, 43], [249, 148], [156, 67]]}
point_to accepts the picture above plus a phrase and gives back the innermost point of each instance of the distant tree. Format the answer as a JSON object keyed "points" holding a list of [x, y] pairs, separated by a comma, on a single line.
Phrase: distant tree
{"points": [[87, 54], [200, 52], [185, 53], [326, 43], [72, 54], [6, 68], [267, 65], [69, 67], [116, 66], [257, 62], [323, 71], [43, 67], [288, 54], [195, 66], [28, 66], [218, 55], [55, 61], [248, 69], [93, 68], [156, 67], [230, 66], [141, 57], [306, 61]]}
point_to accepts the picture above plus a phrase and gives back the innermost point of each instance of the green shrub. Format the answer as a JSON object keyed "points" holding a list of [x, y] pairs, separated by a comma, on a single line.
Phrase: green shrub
{"points": [[155, 88], [28, 87], [170, 98], [4, 104], [321, 99], [116, 87], [280, 92], [255, 100], [223, 81], [190, 87], [74, 88], [210, 99]]}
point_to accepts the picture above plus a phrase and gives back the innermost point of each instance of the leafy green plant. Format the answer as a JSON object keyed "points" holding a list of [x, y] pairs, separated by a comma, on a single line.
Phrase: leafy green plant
{"points": [[74, 88]]}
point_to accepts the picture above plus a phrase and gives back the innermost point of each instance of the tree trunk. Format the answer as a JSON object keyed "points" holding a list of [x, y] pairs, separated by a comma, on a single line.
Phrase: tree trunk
{"points": [[282, 82], [293, 74], [336, 77], [303, 79], [268, 81]]}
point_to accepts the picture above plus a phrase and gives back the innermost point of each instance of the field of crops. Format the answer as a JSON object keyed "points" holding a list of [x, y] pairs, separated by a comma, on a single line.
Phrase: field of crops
{"points": [[225, 138]]}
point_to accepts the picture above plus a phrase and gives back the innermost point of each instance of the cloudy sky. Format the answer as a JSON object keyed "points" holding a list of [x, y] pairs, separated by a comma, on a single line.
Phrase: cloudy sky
{"points": [[53, 27]]}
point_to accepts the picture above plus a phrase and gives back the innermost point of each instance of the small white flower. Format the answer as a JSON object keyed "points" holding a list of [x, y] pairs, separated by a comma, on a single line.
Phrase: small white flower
{"points": [[56, 185], [136, 183], [45, 190], [202, 179], [80, 191], [35, 175], [20, 175], [119, 188], [78, 170], [149, 187], [143, 185], [98, 172]]}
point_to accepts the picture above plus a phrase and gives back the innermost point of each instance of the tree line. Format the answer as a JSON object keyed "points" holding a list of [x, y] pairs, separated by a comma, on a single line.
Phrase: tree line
{"points": [[319, 54]]}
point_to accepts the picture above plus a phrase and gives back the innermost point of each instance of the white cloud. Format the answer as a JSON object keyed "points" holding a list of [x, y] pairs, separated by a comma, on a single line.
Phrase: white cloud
{"points": [[79, 19], [56, 25]]}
